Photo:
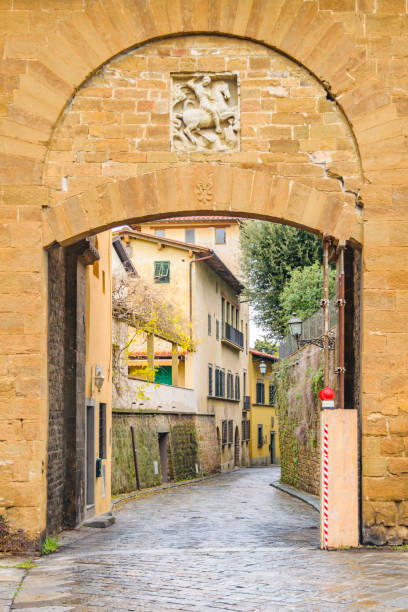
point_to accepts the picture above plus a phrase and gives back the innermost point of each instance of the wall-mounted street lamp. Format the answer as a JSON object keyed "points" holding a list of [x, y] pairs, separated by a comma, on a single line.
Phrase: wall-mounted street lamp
{"points": [[296, 326], [99, 377], [262, 368]]}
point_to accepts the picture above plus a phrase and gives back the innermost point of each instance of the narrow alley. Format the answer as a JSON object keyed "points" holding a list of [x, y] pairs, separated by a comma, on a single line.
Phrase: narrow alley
{"points": [[228, 543]]}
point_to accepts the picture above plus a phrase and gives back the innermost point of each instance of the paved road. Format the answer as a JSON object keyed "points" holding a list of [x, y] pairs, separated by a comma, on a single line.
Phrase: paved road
{"points": [[229, 543]]}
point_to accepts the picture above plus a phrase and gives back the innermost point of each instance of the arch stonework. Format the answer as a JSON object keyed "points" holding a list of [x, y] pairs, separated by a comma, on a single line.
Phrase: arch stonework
{"points": [[356, 51], [227, 189]]}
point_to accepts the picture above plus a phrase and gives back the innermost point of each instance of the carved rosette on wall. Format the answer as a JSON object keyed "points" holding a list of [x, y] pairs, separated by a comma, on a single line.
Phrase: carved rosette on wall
{"points": [[205, 112]]}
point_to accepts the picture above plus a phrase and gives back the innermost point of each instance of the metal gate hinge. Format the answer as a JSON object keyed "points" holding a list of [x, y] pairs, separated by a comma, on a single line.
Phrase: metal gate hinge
{"points": [[339, 370], [340, 303]]}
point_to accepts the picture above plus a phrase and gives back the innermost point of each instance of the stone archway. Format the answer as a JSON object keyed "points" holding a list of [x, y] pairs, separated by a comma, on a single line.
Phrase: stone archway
{"points": [[350, 54]]}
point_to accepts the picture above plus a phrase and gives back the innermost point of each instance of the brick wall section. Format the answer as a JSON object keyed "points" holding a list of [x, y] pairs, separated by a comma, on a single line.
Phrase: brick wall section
{"points": [[118, 124], [56, 373], [181, 454]]}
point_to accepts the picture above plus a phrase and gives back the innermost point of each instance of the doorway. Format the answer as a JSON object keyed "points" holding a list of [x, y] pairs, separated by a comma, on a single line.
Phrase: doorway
{"points": [[272, 447], [163, 452], [90, 455]]}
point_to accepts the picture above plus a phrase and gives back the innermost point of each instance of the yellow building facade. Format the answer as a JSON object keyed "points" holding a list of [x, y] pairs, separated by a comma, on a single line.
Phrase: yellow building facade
{"points": [[207, 295], [264, 443], [98, 383]]}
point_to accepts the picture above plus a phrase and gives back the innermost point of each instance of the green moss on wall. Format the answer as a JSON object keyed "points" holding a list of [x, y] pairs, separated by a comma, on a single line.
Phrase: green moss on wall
{"points": [[184, 451], [123, 468], [298, 380], [147, 453]]}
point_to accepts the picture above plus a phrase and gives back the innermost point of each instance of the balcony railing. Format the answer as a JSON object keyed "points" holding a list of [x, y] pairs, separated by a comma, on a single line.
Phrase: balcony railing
{"points": [[233, 335], [247, 402]]}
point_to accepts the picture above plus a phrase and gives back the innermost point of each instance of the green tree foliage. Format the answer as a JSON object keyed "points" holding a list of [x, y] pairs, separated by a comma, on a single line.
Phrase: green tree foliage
{"points": [[270, 252], [303, 291], [263, 344]]}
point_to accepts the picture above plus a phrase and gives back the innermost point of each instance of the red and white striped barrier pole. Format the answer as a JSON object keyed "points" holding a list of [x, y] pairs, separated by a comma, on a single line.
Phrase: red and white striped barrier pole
{"points": [[327, 397]]}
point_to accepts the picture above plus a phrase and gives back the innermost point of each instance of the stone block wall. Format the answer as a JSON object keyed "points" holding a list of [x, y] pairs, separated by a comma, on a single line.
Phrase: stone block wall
{"points": [[298, 378], [192, 441]]}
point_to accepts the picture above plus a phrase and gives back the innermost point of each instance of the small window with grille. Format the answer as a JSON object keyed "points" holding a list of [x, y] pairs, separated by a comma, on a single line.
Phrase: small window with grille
{"points": [[161, 271], [260, 436], [224, 431], [230, 432]]}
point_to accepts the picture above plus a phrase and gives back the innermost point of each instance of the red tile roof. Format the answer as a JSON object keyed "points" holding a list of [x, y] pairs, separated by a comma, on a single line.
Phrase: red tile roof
{"points": [[262, 354]]}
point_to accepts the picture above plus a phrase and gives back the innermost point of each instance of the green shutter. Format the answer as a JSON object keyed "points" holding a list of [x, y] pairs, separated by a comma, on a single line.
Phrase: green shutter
{"points": [[161, 271]]}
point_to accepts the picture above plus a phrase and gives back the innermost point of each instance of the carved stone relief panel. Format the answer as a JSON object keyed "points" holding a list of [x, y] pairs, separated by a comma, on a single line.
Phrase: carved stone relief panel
{"points": [[205, 112]]}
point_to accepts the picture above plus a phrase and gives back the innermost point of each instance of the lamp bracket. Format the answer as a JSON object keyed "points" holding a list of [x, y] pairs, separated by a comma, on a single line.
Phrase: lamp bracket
{"points": [[319, 342]]}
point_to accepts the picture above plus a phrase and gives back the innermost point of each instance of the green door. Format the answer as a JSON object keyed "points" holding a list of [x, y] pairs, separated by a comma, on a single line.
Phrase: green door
{"points": [[163, 375]]}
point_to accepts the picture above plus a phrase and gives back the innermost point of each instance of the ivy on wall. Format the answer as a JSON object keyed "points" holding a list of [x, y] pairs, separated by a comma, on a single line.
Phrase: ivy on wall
{"points": [[298, 380]]}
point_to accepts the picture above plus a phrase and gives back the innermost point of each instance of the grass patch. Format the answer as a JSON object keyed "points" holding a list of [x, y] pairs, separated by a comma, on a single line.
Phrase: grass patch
{"points": [[49, 546], [28, 564]]}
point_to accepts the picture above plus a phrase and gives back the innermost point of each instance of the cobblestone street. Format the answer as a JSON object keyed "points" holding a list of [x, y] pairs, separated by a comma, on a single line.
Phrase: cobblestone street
{"points": [[228, 543]]}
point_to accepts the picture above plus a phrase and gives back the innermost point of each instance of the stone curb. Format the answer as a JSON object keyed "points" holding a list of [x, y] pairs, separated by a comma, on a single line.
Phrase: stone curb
{"points": [[308, 498]]}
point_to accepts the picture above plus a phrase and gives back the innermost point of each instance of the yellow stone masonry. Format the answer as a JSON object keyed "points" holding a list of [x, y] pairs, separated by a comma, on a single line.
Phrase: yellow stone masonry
{"points": [[84, 144]]}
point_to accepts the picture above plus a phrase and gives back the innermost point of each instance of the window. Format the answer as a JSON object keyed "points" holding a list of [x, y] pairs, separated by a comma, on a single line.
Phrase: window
{"points": [[271, 395], [272, 421], [260, 392], [161, 271], [230, 386], [245, 382], [210, 380], [220, 235], [209, 325], [245, 430], [222, 383], [237, 387], [230, 432], [217, 329], [260, 436], [102, 431], [190, 236], [160, 233], [217, 382], [224, 431]]}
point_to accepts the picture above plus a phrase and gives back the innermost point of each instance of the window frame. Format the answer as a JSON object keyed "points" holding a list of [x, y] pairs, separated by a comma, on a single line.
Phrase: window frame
{"points": [[161, 279], [260, 392], [260, 436], [185, 235], [218, 229]]}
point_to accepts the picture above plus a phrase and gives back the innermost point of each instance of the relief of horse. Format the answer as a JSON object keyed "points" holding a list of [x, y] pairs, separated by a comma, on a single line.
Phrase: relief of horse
{"points": [[195, 119]]}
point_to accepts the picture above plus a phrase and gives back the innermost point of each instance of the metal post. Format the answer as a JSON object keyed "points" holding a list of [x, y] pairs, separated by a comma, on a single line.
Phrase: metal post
{"points": [[326, 309], [341, 303], [132, 431]]}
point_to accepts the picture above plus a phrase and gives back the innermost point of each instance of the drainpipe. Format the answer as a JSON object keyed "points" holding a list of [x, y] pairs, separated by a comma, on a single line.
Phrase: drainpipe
{"points": [[191, 288]]}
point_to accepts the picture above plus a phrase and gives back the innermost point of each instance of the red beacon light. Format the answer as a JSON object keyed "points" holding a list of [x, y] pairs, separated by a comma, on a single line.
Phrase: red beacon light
{"points": [[327, 397]]}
